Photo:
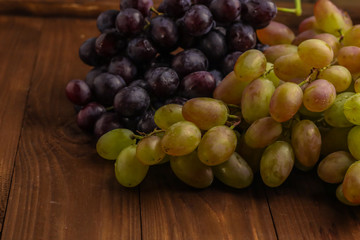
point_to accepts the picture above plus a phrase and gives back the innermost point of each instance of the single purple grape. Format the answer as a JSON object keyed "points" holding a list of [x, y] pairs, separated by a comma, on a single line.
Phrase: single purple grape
{"points": [[106, 20], [163, 81], [78, 92], [109, 43], [164, 33], [142, 5], [198, 84], [241, 37], [258, 13], [87, 116], [141, 50], [107, 122], [225, 11], [129, 22], [106, 85], [124, 67], [131, 101], [198, 20], [147, 123], [213, 45], [188, 61]]}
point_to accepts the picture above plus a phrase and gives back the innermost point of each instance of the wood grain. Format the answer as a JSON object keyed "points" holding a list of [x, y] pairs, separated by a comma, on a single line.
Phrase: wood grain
{"points": [[18, 50], [61, 189]]}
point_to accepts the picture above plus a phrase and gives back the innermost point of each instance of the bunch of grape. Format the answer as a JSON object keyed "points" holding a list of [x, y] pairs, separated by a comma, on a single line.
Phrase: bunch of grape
{"points": [[146, 57]]}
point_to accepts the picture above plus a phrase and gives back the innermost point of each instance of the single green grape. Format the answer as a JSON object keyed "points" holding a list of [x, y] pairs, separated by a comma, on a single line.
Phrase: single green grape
{"points": [[315, 53], [351, 183], [352, 109], [274, 52], [149, 151], [353, 140], [338, 75], [270, 74], [167, 115], [319, 95], [250, 65], [340, 196], [335, 115]]}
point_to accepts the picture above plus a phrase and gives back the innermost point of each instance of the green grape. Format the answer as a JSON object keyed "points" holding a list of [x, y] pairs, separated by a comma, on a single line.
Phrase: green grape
{"points": [[149, 151], [338, 75], [191, 171], [331, 19], [181, 138], [230, 89], [306, 143], [352, 109], [262, 132], [351, 183], [256, 99], [315, 53], [306, 35], [334, 140], [205, 112], [235, 172], [333, 167], [349, 57], [285, 102], [270, 74], [334, 115], [340, 196], [353, 140], [274, 52], [275, 33], [167, 115], [217, 145], [357, 85], [129, 171], [307, 23], [251, 155], [276, 163], [352, 37], [250, 65], [319, 95], [330, 39], [309, 114], [113, 142], [290, 67]]}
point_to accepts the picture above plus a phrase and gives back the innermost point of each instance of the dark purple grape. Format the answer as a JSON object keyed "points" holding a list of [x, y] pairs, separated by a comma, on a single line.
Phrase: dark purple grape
{"points": [[175, 8], [106, 20], [217, 76], [78, 92], [164, 33], [258, 13], [141, 50], [140, 83], [109, 43], [142, 5], [198, 84], [229, 62], [189, 61], [88, 55], [241, 37], [130, 122], [213, 45], [131, 101], [87, 116], [106, 85], [198, 20], [147, 123], [92, 74], [107, 122], [225, 11], [163, 81], [176, 100], [124, 67], [129, 22]]}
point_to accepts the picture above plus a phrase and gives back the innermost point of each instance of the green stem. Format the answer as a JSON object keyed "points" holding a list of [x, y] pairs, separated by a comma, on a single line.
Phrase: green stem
{"points": [[233, 116], [297, 10], [235, 124], [156, 11], [233, 105], [110, 108]]}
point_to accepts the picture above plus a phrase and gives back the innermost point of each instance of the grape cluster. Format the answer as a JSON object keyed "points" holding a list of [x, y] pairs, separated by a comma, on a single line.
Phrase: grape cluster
{"points": [[144, 57]]}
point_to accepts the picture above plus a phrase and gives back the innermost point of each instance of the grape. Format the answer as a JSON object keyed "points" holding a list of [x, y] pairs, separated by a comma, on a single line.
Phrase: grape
{"points": [[357, 85], [331, 40], [140, 83], [315, 53], [229, 62], [333, 167], [88, 55], [250, 65], [181, 138], [176, 8], [351, 37], [349, 57], [110, 144], [218, 77], [78, 92], [290, 67], [146, 123], [274, 52], [241, 37], [205, 112], [353, 142], [217, 145], [129, 22], [87, 116], [225, 11], [92, 74], [307, 35], [149, 151], [167, 115], [230, 89], [142, 5], [131, 101], [335, 116], [109, 43], [130, 122], [189, 61], [270, 74], [107, 122], [251, 155], [106, 85], [285, 102], [124, 67], [331, 19], [106, 20], [140, 50], [198, 84], [129, 172], [198, 20], [306, 143], [258, 13], [334, 140], [191, 171], [163, 81], [352, 109], [164, 33], [319, 95], [235, 172], [307, 24], [276, 163], [213, 45], [338, 75], [340, 196], [256, 99], [351, 183], [275, 33]]}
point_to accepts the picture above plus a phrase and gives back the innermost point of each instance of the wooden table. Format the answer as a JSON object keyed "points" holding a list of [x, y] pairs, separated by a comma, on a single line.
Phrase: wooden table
{"points": [[54, 186]]}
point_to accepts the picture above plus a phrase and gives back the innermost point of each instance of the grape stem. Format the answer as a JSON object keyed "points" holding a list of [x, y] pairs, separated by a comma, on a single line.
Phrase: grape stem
{"points": [[109, 108], [155, 11], [233, 116], [233, 106], [297, 10], [235, 124]]}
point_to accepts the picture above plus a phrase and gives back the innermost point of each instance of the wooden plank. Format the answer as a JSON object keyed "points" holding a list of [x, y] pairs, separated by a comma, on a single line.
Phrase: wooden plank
{"points": [[306, 208], [172, 210], [18, 49], [61, 188]]}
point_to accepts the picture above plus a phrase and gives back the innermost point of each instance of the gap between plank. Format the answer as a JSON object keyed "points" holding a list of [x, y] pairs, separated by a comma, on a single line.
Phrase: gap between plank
{"points": [[272, 218]]}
